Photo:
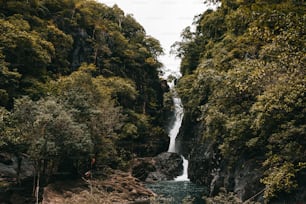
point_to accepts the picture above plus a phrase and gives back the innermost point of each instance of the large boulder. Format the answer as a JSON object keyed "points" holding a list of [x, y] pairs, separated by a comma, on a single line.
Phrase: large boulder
{"points": [[10, 190], [9, 167], [165, 166], [169, 164]]}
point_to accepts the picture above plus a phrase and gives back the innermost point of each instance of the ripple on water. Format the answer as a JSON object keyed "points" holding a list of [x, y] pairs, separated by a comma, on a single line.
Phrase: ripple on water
{"points": [[176, 192]]}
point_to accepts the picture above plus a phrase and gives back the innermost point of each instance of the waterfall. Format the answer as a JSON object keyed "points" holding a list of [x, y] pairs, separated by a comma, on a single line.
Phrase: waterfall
{"points": [[174, 130], [178, 114], [184, 176]]}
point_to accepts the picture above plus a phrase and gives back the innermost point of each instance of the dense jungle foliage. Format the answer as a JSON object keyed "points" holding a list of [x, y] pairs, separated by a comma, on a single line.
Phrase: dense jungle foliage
{"points": [[78, 80], [244, 83]]}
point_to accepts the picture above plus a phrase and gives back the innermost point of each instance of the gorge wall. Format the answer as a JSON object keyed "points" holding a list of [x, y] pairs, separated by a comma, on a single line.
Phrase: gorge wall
{"points": [[243, 90]]}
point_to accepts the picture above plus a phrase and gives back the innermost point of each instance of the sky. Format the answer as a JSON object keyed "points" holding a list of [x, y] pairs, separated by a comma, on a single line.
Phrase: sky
{"points": [[164, 20]]}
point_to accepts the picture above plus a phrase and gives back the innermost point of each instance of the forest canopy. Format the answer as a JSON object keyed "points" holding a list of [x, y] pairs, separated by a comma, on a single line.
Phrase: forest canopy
{"points": [[78, 80], [244, 84]]}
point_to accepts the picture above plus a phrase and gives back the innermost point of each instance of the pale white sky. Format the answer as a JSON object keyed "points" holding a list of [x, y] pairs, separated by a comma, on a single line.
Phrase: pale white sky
{"points": [[162, 19]]}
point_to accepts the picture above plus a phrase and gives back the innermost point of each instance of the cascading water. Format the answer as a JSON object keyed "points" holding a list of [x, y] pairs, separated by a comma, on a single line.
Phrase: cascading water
{"points": [[178, 114], [184, 176], [174, 130]]}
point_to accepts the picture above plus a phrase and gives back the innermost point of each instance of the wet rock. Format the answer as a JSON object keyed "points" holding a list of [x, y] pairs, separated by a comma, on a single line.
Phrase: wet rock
{"points": [[188, 136], [202, 166], [165, 166], [170, 164]]}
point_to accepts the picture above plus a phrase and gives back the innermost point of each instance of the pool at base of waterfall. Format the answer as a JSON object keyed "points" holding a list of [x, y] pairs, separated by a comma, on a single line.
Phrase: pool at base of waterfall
{"points": [[177, 192]]}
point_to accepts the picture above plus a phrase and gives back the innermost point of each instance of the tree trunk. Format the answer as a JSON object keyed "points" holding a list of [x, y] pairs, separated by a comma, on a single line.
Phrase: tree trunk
{"points": [[37, 187], [19, 160], [144, 108], [34, 183]]}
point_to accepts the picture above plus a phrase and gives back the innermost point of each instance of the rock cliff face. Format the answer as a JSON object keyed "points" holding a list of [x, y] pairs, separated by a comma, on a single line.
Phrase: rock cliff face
{"points": [[81, 49], [207, 167], [188, 135]]}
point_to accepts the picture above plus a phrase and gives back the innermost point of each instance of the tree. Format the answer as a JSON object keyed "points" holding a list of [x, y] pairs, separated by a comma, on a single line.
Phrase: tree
{"points": [[25, 50], [91, 102], [48, 133], [243, 88], [9, 81], [49, 40]]}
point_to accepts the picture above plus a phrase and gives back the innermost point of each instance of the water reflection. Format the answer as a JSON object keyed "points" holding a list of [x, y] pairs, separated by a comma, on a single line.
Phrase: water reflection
{"points": [[178, 192]]}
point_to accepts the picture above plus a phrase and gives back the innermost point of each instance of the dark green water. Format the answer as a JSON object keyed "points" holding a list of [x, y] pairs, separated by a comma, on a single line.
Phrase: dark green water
{"points": [[178, 192]]}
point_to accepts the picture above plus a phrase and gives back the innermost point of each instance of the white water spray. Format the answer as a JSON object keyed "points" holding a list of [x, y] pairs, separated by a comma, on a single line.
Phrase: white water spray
{"points": [[178, 114], [184, 176]]}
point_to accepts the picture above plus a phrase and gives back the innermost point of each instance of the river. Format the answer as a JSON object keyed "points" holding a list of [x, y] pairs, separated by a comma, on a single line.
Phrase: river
{"points": [[178, 192]]}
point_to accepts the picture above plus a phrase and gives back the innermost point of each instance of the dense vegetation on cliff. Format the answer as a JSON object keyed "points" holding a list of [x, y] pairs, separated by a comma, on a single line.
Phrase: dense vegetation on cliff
{"points": [[244, 88], [78, 80]]}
